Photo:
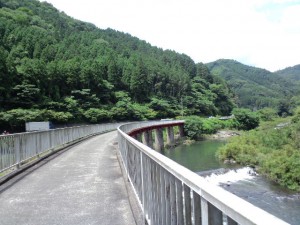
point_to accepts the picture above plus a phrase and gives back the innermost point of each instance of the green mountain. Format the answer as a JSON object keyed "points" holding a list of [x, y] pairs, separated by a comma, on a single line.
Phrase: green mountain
{"points": [[54, 67], [292, 73], [254, 88]]}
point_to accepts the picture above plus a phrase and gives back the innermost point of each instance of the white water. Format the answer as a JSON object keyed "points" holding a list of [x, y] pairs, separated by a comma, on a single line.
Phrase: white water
{"points": [[231, 176], [248, 185]]}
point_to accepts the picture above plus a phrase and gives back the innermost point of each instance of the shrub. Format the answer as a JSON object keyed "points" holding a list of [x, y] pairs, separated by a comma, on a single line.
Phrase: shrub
{"points": [[16, 117], [196, 127], [296, 117], [94, 115], [57, 117], [276, 152], [246, 119], [267, 114], [193, 127]]}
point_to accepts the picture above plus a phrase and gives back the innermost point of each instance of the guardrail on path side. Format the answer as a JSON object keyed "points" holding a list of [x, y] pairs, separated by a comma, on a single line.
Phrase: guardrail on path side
{"points": [[171, 194], [17, 149]]}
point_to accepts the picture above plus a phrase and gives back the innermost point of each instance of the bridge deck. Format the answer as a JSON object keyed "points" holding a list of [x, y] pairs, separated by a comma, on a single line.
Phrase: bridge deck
{"points": [[84, 185]]}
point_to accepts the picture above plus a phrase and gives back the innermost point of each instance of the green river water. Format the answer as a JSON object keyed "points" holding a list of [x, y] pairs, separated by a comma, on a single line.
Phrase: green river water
{"points": [[200, 157]]}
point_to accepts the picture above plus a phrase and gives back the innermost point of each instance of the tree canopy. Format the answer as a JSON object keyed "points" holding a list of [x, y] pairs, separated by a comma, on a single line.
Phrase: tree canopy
{"points": [[50, 61]]}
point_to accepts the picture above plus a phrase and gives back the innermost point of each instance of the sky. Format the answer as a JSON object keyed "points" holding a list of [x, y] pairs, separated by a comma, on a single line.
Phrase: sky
{"points": [[260, 33]]}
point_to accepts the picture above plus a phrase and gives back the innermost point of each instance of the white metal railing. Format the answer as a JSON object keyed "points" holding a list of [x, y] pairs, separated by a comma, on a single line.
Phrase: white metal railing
{"points": [[171, 194], [17, 148]]}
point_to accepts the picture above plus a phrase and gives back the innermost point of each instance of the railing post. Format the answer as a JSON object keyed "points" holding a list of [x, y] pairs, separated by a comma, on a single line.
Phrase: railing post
{"points": [[17, 147], [215, 215], [162, 199], [204, 212], [143, 185], [158, 190], [167, 198], [173, 200], [187, 205], [196, 208], [151, 193], [179, 202]]}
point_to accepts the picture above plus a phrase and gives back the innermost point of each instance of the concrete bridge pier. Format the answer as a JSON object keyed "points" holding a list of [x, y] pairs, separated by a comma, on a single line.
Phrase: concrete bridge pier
{"points": [[181, 131], [159, 140], [170, 136], [138, 137], [150, 139], [147, 138]]}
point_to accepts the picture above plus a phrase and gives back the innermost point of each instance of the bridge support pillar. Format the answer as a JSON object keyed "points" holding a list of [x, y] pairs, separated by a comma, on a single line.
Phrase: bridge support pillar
{"points": [[147, 138], [138, 137], [150, 139], [159, 140], [170, 136], [181, 131]]}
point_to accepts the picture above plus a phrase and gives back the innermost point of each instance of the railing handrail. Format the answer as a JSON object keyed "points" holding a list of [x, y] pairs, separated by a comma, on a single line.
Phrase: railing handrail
{"points": [[21, 147], [61, 128], [241, 211]]}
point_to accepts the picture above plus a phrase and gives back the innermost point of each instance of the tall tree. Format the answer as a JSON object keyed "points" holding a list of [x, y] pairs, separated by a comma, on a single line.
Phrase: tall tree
{"points": [[139, 85]]}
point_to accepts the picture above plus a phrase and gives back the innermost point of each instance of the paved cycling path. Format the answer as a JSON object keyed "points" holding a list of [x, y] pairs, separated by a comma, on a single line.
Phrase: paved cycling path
{"points": [[83, 185]]}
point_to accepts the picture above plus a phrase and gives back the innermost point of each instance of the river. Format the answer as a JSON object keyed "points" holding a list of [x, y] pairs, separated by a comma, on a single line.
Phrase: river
{"points": [[200, 158]]}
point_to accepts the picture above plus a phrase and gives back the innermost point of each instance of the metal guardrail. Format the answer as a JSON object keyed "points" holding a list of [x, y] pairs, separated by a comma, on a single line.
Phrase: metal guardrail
{"points": [[171, 194], [16, 149]]}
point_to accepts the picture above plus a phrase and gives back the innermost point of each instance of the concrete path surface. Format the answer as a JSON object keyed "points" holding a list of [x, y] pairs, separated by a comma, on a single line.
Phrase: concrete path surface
{"points": [[83, 185]]}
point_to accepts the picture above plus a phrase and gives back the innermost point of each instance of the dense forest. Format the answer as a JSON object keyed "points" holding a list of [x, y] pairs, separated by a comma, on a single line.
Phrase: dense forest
{"points": [[54, 67], [257, 88], [292, 73]]}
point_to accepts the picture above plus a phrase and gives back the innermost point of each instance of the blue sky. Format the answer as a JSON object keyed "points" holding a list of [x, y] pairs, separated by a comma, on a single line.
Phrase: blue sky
{"points": [[262, 33]]}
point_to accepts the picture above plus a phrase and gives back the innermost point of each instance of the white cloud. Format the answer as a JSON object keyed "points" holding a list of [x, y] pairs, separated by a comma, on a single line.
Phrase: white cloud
{"points": [[263, 33]]}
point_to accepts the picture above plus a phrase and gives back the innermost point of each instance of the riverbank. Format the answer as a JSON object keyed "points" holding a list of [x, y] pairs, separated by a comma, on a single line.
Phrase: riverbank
{"points": [[223, 134], [219, 135], [275, 153]]}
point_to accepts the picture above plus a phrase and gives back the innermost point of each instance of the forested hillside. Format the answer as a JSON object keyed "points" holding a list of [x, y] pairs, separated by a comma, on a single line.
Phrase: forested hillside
{"points": [[255, 88], [292, 73], [53, 67]]}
